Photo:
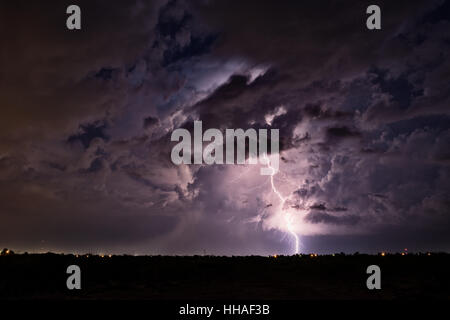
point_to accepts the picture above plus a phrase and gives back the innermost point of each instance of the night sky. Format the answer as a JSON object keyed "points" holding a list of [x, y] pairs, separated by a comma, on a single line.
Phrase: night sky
{"points": [[86, 118]]}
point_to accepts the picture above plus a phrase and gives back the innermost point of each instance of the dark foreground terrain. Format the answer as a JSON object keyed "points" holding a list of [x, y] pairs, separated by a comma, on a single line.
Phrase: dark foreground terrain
{"points": [[43, 276]]}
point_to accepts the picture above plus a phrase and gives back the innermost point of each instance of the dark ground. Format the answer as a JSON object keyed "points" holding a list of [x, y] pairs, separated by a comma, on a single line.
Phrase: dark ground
{"points": [[43, 276]]}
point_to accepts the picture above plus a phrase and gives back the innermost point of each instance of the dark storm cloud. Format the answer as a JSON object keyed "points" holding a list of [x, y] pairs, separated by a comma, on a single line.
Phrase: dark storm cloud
{"points": [[178, 34], [87, 133], [150, 122], [341, 132], [87, 117], [49, 64], [316, 217]]}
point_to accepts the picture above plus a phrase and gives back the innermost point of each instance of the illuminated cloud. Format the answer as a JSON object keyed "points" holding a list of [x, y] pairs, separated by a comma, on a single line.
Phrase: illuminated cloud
{"points": [[86, 122]]}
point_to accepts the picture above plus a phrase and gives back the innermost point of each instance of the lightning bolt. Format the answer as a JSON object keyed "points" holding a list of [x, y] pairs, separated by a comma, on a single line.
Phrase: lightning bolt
{"points": [[287, 215]]}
